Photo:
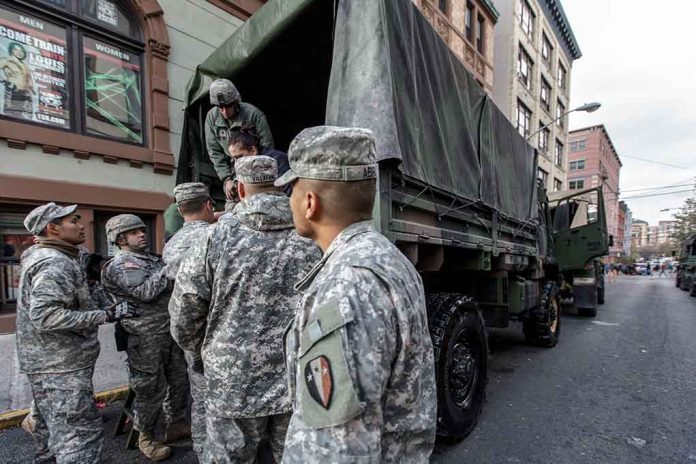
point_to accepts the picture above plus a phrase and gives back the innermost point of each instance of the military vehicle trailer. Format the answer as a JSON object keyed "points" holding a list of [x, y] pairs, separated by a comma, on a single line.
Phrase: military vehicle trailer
{"points": [[686, 272], [457, 188]]}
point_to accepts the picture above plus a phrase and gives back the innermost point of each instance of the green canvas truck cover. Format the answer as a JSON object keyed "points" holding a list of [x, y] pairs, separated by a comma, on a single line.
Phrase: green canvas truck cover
{"points": [[376, 64]]}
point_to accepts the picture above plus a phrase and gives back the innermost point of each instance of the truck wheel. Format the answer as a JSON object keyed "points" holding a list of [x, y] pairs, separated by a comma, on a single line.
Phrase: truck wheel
{"points": [[677, 282], [683, 285], [461, 363], [692, 292], [600, 295], [543, 327]]}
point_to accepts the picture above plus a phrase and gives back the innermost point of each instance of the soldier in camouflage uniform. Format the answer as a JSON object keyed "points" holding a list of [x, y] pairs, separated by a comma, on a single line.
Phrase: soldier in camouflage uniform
{"points": [[359, 352], [196, 206], [230, 113], [57, 344], [156, 365], [233, 299]]}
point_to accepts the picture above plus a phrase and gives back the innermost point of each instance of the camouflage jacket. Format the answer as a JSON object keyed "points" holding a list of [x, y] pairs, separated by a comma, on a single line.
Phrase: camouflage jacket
{"points": [[140, 278], [57, 322], [360, 357], [179, 244], [217, 132], [233, 299]]}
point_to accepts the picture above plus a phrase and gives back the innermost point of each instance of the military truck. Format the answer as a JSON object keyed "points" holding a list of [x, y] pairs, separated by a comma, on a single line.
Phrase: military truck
{"points": [[686, 272], [457, 190]]}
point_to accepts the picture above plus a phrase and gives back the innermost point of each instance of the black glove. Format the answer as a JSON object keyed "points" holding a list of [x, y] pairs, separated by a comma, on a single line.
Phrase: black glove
{"points": [[119, 311], [197, 366]]}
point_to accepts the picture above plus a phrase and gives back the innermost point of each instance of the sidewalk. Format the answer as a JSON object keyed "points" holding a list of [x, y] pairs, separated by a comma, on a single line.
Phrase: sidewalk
{"points": [[110, 371]]}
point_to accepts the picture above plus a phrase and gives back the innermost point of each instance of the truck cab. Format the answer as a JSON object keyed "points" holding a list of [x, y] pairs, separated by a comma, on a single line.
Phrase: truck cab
{"points": [[686, 273], [579, 233]]}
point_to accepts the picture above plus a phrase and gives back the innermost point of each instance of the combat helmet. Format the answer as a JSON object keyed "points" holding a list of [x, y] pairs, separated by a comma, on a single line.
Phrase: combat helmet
{"points": [[122, 223]]}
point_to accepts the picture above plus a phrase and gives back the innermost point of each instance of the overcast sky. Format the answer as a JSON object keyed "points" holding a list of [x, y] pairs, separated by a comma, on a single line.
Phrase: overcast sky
{"points": [[639, 62]]}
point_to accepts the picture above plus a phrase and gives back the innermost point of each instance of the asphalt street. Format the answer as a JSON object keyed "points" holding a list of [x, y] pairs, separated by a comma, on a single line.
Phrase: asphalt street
{"points": [[619, 388]]}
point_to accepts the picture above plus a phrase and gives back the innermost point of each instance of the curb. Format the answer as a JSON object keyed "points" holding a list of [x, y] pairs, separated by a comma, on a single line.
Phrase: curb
{"points": [[11, 419]]}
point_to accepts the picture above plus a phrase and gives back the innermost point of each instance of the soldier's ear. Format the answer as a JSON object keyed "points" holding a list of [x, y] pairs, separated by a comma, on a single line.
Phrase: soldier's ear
{"points": [[241, 190], [312, 203]]}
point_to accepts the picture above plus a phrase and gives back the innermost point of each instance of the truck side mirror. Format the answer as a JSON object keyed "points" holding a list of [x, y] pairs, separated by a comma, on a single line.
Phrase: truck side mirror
{"points": [[611, 240]]}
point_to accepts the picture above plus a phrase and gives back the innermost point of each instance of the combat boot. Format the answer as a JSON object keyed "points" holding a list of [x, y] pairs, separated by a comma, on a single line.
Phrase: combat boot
{"points": [[176, 431], [29, 424], [153, 449]]}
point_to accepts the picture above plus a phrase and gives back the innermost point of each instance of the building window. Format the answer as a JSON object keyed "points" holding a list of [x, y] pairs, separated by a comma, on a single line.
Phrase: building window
{"points": [[546, 49], [480, 34], [469, 22], [526, 18], [557, 185], [560, 114], [542, 175], [524, 67], [544, 138], [99, 43], [558, 154], [524, 116], [545, 94], [442, 4], [576, 184], [578, 145], [577, 165], [562, 77]]}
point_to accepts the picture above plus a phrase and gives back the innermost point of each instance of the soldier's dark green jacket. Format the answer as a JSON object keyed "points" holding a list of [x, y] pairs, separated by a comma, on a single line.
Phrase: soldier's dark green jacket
{"points": [[57, 323], [217, 132]]}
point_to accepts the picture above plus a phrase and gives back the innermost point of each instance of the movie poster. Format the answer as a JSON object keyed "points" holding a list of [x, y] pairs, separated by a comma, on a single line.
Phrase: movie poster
{"points": [[112, 91], [33, 70]]}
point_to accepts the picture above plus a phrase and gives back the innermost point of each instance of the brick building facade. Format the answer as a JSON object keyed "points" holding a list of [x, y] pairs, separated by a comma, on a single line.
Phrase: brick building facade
{"points": [[95, 116], [593, 161]]}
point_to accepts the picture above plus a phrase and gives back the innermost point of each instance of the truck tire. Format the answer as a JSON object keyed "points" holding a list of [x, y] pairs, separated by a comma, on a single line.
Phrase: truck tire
{"points": [[600, 295], [692, 292], [683, 285], [459, 337], [543, 326], [677, 282]]}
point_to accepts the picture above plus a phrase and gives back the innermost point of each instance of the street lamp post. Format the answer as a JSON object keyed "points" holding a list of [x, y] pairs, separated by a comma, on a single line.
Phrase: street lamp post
{"points": [[587, 107]]}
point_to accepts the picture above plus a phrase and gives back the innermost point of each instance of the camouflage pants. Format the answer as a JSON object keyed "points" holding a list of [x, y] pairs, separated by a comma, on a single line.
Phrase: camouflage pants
{"points": [[198, 392], [65, 407], [157, 373], [40, 435], [237, 440]]}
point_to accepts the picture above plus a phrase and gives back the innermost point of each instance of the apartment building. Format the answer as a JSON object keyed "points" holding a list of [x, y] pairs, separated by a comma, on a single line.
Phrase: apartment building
{"points": [[626, 219], [593, 161], [467, 27], [534, 53]]}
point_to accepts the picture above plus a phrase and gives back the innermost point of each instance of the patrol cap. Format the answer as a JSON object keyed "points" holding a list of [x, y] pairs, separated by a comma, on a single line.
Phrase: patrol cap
{"points": [[122, 223], [37, 220], [191, 191], [341, 154], [223, 93], [256, 169]]}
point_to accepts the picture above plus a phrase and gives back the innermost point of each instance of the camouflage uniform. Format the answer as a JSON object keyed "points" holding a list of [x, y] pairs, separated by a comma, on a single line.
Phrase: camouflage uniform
{"points": [[174, 251], [359, 353], [57, 346], [236, 288], [156, 365]]}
